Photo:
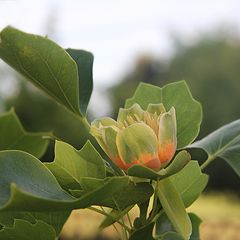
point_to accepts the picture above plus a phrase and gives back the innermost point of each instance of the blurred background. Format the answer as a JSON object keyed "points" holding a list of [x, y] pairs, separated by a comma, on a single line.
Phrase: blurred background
{"points": [[136, 41]]}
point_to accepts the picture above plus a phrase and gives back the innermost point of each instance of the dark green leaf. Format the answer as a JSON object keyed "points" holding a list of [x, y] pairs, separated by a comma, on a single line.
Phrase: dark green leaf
{"points": [[165, 229], [55, 219], [84, 61], [170, 236], [163, 224], [123, 196], [190, 182], [223, 143], [23, 230], [188, 110], [196, 221], [176, 165], [7, 218], [14, 137], [144, 232]]}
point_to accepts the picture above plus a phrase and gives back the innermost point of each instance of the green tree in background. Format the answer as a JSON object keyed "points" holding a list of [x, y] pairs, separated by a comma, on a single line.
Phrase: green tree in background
{"points": [[147, 70]]}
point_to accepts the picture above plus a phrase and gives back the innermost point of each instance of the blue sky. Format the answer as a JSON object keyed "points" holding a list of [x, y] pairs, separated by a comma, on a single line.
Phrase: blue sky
{"points": [[119, 31]]}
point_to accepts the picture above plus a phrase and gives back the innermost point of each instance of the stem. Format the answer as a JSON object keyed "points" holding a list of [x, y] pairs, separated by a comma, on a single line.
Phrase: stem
{"points": [[124, 227], [108, 215], [208, 161], [85, 122], [114, 226], [154, 208], [129, 220]]}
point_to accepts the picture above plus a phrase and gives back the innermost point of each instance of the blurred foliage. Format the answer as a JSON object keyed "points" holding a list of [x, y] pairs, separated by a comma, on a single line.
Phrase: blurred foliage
{"points": [[211, 68], [39, 113]]}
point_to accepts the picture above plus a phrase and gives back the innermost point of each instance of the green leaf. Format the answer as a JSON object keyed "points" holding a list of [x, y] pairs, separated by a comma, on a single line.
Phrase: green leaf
{"points": [[170, 236], [176, 165], [14, 137], [144, 232], [23, 230], [26, 184], [7, 218], [84, 61], [55, 219], [196, 221], [165, 229], [190, 182], [123, 196], [23, 171], [188, 110], [70, 165], [173, 205], [48, 66], [163, 225], [223, 143]]}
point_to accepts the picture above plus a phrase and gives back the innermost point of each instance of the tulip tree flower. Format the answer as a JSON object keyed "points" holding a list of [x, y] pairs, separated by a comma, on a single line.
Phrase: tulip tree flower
{"points": [[147, 138]]}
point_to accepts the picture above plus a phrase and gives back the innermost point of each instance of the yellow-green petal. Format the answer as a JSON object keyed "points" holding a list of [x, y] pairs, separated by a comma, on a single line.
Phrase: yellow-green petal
{"points": [[105, 130], [130, 115], [167, 136], [138, 144]]}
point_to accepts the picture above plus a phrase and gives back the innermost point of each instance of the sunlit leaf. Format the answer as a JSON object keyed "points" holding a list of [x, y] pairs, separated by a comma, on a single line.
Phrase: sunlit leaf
{"points": [[174, 207], [190, 182], [70, 165], [177, 95]]}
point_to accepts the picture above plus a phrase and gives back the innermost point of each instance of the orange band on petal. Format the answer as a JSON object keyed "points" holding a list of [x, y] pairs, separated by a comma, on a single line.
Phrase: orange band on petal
{"points": [[118, 161], [146, 160], [166, 152]]}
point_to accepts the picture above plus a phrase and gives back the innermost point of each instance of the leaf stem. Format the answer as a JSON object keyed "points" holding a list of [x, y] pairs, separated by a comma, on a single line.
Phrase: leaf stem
{"points": [[208, 161], [108, 215], [129, 220]]}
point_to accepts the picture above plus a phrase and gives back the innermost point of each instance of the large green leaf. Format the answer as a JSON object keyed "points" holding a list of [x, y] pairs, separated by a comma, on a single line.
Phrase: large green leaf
{"points": [[70, 165], [14, 137], [23, 230], [49, 67], [22, 171], [190, 182], [188, 110], [174, 208], [26, 184], [175, 166], [223, 143], [124, 196]]}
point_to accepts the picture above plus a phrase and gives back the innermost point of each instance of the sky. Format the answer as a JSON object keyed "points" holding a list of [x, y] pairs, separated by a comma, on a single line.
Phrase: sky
{"points": [[117, 32]]}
